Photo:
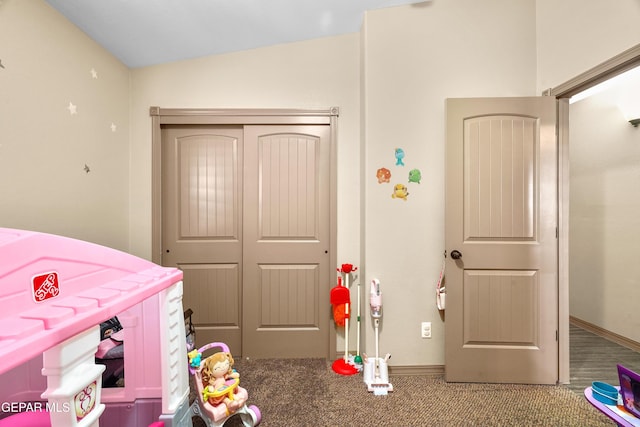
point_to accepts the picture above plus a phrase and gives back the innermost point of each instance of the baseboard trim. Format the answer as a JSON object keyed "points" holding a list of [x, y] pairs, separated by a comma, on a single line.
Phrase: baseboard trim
{"points": [[601, 332], [409, 370], [416, 370]]}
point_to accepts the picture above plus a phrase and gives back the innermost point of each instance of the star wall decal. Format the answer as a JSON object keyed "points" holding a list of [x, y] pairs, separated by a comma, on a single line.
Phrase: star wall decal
{"points": [[73, 109], [94, 73], [86, 168], [113, 127]]}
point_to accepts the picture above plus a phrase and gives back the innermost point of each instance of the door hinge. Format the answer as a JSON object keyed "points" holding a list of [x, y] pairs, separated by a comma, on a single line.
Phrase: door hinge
{"points": [[556, 232], [557, 337]]}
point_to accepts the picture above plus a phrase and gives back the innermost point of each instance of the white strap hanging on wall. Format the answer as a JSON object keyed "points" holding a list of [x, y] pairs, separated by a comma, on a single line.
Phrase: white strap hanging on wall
{"points": [[440, 291]]}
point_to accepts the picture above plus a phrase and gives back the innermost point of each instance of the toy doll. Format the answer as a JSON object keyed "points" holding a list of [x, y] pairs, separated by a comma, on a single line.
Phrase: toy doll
{"points": [[217, 370]]}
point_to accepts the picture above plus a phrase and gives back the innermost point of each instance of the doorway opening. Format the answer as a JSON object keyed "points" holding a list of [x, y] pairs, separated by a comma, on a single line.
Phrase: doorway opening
{"points": [[615, 66]]}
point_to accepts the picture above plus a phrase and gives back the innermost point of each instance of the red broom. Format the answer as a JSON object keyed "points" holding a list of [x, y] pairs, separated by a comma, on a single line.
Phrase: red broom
{"points": [[340, 298]]}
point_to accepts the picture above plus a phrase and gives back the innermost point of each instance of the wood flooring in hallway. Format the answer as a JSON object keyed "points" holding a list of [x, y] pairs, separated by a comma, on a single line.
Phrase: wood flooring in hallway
{"points": [[593, 358]]}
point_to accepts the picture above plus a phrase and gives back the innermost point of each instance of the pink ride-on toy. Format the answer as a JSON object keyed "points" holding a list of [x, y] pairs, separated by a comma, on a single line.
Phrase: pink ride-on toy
{"points": [[219, 396]]}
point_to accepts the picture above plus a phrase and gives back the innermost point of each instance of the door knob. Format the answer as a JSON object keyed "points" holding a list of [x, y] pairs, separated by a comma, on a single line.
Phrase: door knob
{"points": [[456, 254]]}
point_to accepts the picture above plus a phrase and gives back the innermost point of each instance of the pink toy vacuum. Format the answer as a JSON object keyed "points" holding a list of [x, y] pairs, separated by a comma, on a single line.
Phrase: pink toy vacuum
{"points": [[376, 372]]}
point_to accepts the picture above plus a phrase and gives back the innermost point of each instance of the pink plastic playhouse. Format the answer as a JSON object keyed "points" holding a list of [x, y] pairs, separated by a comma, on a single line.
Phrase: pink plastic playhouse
{"points": [[54, 294]]}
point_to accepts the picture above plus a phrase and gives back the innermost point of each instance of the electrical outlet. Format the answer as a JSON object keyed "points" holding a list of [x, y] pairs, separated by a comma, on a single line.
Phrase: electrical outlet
{"points": [[426, 330]]}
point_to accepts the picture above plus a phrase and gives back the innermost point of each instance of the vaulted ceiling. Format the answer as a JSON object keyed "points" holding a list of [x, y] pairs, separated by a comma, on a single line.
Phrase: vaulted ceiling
{"points": [[148, 32]]}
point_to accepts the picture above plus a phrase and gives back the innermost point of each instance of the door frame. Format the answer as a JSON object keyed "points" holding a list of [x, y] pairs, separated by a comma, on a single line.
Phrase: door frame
{"points": [[214, 116], [620, 63]]}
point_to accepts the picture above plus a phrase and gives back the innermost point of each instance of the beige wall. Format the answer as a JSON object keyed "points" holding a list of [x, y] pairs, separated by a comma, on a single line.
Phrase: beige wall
{"points": [[43, 147], [313, 74], [416, 57], [576, 35], [390, 83]]}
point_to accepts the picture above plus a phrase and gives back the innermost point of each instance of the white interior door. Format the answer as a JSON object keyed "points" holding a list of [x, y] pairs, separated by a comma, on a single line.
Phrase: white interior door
{"points": [[501, 219]]}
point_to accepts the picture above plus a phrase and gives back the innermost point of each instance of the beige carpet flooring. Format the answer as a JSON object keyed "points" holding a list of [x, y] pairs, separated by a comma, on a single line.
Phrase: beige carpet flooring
{"points": [[306, 392]]}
